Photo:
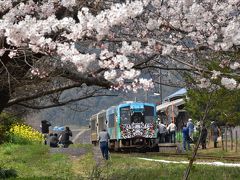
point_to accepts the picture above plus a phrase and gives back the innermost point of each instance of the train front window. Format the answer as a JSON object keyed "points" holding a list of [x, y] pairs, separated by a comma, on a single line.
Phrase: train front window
{"points": [[149, 114], [125, 115], [137, 118]]}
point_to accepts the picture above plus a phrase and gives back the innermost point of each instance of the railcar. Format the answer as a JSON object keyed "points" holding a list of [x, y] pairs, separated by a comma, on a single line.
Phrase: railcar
{"points": [[98, 122], [130, 125]]}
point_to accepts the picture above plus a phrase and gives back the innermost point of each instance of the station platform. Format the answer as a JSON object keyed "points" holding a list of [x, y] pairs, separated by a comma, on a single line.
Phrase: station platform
{"points": [[169, 147]]}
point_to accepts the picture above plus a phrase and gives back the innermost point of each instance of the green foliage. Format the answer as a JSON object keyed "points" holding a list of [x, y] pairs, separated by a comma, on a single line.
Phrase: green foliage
{"points": [[6, 120], [179, 136], [223, 105]]}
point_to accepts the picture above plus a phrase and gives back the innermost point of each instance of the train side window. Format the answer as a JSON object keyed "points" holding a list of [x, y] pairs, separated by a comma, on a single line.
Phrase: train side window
{"points": [[93, 126], [111, 120], [149, 114]]}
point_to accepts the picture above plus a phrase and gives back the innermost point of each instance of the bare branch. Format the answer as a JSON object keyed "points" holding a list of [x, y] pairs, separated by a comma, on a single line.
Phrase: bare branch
{"points": [[63, 103], [40, 94]]}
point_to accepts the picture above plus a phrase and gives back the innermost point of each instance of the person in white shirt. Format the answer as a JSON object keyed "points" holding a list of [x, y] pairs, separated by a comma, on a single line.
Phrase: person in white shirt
{"points": [[162, 130], [172, 131], [103, 139]]}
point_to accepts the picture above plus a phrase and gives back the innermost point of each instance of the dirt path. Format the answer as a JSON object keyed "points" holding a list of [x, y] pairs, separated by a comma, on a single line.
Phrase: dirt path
{"points": [[98, 156], [77, 136], [81, 136]]}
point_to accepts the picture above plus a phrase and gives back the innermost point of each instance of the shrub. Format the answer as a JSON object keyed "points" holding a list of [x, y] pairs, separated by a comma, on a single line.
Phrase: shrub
{"points": [[6, 122], [24, 134], [7, 173]]}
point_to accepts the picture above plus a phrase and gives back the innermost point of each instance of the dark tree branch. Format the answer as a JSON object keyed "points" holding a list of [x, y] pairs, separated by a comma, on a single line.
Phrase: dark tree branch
{"points": [[63, 103], [40, 94], [168, 84], [84, 78], [165, 68]]}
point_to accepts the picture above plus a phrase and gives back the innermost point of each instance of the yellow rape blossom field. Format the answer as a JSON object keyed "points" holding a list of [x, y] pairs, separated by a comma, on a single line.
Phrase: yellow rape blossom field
{"points": [[24, 134]]}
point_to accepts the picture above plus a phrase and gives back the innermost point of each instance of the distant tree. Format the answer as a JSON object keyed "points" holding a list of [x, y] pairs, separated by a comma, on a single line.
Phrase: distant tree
{"points": [[223, 105]]}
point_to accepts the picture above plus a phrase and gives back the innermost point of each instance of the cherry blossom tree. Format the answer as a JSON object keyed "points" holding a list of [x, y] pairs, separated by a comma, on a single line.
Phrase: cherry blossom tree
{"points": [[111, 43]]}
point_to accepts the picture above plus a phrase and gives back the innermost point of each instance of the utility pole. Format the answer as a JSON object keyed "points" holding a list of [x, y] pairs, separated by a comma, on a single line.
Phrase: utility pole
{"points": [[160, 85], [146, 96]]}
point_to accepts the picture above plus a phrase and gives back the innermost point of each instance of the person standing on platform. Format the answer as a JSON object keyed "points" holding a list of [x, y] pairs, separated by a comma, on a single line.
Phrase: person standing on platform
{"points": [[162, 130], [103, 140], [185, 134], [172, 131], [190, 127], [204, 137], [215, 132]]}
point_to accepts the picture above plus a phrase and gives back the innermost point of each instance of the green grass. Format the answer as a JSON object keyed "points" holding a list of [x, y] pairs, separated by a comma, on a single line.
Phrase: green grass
{"points": [[129, 167], [35, 162]]}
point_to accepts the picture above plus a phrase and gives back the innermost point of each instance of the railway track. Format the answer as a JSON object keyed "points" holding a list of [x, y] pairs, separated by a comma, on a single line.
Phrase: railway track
{"points": [[188, 156]]}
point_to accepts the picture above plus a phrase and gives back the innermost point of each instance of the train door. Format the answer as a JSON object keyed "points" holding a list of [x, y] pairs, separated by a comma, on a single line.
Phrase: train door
{"points": [[111, 123], [150, 121], [101, 121], [93, 121]]}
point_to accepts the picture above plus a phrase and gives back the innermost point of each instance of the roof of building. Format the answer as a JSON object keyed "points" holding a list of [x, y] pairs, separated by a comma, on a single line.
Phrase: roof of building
{"points": [[180, 93], [164, 106]]}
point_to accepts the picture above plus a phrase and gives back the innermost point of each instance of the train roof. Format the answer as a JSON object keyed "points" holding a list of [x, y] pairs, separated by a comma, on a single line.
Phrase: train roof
{"points": [[132, 103], [100, 112]]}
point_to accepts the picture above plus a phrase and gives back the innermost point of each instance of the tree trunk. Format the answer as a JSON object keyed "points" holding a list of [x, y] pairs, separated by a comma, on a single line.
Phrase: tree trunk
{"points": [[236, 141], [187, 172], [222, 140], [231, 135], [226, 139], [202, 121], [4, 97]]}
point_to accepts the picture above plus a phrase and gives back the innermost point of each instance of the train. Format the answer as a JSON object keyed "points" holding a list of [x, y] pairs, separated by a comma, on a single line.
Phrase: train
{"points": [[131, 125]]}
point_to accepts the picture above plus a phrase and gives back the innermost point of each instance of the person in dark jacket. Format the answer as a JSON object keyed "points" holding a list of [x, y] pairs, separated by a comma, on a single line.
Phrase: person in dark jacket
{"points": [[45, 126], [53, 140], [65, 137], [204, 137], [45, 129], [215, 132]]}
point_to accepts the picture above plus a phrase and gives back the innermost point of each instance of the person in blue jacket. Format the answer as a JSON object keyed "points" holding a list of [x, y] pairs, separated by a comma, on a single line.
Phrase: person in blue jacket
{"points": [[190, 127], [185, 133]]}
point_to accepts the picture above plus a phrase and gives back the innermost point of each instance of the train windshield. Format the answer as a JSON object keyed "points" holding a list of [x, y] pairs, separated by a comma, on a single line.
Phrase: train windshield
{"points": [[125, 115], [149, 114]]}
